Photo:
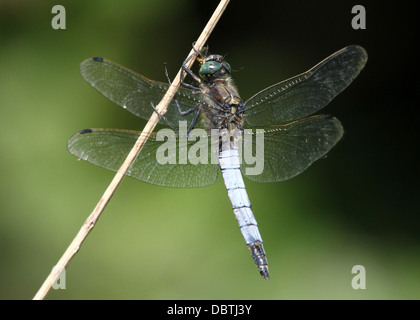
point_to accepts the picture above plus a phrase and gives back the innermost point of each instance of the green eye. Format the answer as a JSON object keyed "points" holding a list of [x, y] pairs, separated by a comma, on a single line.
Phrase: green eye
{"points": [[227, 66], [210, 67]]}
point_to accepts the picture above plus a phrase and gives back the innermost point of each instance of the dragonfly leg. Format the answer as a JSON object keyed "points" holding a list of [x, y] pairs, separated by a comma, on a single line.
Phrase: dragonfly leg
{"points": [[166, 73], [204, 51], [164, 118], [190, 73], [194, 120], [184, 84], [187, 112], [221, 107], [189, 86], [241, 108]]}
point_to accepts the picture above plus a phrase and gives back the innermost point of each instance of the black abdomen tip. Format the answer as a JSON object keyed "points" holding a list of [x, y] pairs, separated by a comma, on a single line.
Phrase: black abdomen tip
{"points": [[264, 272]]}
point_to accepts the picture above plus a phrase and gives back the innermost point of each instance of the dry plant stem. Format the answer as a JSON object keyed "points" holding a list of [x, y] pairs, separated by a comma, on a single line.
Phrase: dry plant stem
{"points": [[151, 124]]}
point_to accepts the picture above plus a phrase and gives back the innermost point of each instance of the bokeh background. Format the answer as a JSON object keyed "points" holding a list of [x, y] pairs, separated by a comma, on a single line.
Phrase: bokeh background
{"points": [[359, 206]]}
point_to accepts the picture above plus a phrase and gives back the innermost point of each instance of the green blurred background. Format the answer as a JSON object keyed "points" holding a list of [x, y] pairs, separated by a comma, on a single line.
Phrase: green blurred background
{"points": [[356, 207]]}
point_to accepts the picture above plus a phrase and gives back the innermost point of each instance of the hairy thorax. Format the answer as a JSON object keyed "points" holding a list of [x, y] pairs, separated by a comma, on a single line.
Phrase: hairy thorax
{"points": [[222, 107]]}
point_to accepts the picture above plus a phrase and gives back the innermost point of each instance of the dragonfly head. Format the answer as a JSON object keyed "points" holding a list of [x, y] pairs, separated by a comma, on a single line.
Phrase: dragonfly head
{"points": [[214, 67]]}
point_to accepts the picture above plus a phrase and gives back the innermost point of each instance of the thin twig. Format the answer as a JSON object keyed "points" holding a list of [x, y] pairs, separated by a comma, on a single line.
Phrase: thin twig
{"points": [[151, 124]]}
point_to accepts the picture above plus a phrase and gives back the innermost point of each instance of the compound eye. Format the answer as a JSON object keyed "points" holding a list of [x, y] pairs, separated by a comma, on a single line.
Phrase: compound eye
{"points": [[227, 66], [210, 67]]}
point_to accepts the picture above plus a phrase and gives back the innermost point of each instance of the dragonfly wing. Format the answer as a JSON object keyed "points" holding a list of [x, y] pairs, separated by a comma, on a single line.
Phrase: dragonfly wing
{"points": [[291, 148], [308, 92], [108, 148], [135, 92]]}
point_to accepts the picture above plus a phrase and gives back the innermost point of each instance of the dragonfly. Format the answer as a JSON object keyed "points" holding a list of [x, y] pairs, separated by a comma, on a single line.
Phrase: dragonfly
{"points": [[294, 136]]}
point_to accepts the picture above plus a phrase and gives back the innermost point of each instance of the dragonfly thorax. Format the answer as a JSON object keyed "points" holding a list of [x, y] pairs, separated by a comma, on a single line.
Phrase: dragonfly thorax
{"points": [[223, 107]]}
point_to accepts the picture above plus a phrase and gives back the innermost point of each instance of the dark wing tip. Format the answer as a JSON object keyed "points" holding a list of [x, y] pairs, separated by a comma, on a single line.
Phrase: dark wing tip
{"points": [[85, 131], [99, 59]]}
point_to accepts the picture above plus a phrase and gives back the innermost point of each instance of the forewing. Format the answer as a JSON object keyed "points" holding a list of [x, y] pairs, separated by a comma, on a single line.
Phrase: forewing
{"points": [[108, 148], [291, 148], [308, 92], [135, 92]]}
